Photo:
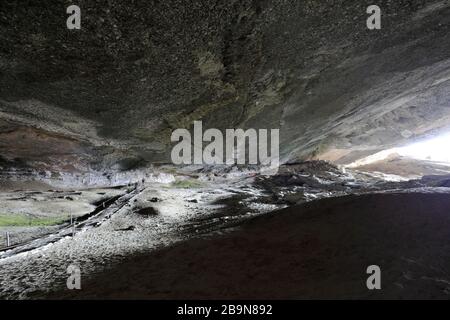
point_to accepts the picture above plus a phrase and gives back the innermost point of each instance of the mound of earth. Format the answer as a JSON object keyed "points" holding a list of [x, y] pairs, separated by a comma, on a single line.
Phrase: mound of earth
{"points": [[319, 249]]}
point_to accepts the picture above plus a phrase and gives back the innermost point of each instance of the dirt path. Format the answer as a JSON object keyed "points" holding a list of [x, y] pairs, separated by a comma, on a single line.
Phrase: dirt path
{"points": [[95, 218]]}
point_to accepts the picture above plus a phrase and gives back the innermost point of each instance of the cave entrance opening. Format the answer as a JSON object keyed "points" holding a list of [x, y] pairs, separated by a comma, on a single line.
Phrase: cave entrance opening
{"points": [[436, 149], [428, 156]]}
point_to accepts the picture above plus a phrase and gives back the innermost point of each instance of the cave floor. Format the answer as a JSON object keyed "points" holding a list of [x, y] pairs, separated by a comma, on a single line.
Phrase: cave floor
{"points": [[213, 235], [318, 250], [140, 220]]}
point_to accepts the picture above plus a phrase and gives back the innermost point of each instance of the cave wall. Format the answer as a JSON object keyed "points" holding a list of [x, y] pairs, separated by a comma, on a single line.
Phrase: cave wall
{"points": [[111, 93]]}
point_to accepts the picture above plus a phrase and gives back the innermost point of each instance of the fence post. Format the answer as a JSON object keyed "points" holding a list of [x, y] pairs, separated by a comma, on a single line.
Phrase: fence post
{"points": [[72, 224], [8, 240]]}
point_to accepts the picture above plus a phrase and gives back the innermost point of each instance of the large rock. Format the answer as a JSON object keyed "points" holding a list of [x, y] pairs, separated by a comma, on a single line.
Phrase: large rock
{"points": [[114, 90]]}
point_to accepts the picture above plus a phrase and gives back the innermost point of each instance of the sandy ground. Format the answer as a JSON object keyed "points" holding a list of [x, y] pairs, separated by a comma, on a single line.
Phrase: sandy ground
{"points": [[316, 250], [170, 214], [145, 225], [48, 203]]}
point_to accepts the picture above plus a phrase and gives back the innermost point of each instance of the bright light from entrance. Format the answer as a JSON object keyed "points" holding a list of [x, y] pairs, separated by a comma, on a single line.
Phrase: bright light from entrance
{"points": [[436, 149]]}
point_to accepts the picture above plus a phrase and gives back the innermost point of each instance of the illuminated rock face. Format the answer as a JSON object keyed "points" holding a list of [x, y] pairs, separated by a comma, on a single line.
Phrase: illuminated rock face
{"points": [[109, 95]]}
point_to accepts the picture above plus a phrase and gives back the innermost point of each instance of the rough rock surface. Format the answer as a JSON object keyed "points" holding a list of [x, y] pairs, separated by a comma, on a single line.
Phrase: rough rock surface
{"points": [[111, 93]]}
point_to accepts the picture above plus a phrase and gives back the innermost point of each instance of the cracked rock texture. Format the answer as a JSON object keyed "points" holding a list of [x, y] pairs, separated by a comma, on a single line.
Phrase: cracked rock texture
{"points": [[109, 95]]}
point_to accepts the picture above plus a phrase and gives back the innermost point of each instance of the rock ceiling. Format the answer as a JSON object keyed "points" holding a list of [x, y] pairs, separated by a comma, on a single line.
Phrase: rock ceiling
{"points": [[114, 90]]}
